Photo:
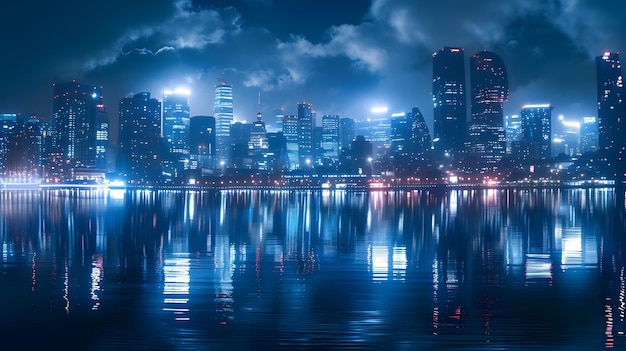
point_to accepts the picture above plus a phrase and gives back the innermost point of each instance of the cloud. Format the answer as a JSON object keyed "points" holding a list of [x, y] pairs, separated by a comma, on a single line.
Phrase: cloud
{"points": [[187, 28]]}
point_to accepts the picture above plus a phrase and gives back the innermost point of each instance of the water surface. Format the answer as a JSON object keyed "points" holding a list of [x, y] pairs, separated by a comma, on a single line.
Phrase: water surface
{"points": [[253, 270]]}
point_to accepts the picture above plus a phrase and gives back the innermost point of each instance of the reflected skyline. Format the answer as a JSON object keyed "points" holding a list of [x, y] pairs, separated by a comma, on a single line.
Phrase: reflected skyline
{"points": [[325, 268]]}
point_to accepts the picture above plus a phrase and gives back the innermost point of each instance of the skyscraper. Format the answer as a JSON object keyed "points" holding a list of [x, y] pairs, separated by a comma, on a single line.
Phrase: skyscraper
{"points": [[536, 131], [330, 139], [611, 105], [306, 124], [512, 131], [8, 122], [202, 142], [450, 112], [176, 126], [589, 134], [490, 89], [346, 132], [290, 132], [140, 138], [79, 115], [258, 142], [223, 113]]}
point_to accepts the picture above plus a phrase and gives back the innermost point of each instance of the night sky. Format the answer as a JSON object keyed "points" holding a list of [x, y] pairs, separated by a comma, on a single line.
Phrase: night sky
{"points": [[344, 56]]}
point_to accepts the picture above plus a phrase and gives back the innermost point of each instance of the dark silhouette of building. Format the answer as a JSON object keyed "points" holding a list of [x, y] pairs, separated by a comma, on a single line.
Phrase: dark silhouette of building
{"points": [[276, 155], [81, 130], [450, 112], [611, 105], [202, 142], [362, 153], [139, 158], [240, 137], [490, 89], [346, 132]]}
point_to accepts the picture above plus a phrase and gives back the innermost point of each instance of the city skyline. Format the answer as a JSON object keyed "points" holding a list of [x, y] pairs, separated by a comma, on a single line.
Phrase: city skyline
{"points": [[372, 53]]}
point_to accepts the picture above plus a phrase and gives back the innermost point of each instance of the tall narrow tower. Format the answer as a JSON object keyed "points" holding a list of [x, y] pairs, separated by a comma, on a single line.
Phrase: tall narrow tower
{"points": [[450, 112], [223, 113], [490, 89], [611, 105]]}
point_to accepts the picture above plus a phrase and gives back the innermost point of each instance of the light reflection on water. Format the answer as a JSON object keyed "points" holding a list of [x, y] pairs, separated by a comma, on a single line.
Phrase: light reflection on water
{"points": [[464, 269]]}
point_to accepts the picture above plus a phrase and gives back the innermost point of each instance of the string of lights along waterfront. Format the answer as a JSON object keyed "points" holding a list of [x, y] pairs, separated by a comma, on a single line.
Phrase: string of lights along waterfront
{"points": [[161, 143]]}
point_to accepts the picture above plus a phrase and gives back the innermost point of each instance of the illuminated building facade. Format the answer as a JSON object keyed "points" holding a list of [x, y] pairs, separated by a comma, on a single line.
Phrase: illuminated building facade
{"points": [[611, 105], [536, 131], [8, 122], [490, 89], [176, 120], [258, 142], [513, 131], [223, 113], [450, 111], [140, 138], [330, 139], [290, 132], [589, 134], [81, 127], [306, 125]]}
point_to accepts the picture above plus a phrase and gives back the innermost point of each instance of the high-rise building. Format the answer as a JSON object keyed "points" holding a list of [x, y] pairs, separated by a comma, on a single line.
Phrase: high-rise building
{"points": [[202, 142], [240, 138], [490, 89], [290, 132], [277, 160], [24, 150], [611, 105], [330, 139], [306, 124], [346, 132], [80, 123], [140, 140], [536, 131], [258, 142], [411, 143], [450, 112], [176, 127], [566, 136], [8, 122], [513, 131], [223, 113], [589, 134]]}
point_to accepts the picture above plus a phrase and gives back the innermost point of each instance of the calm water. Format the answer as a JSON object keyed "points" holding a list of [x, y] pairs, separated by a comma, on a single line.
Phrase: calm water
{"points": [[256, 270]]}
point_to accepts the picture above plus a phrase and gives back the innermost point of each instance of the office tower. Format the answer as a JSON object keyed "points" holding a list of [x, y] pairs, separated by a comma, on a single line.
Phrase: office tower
{"points": [[140, 140], [362, 156], [24, 150], [450, 112], [290, 132], [79, 115], [306, 124], [330, 139], [8, 121], [223, 113], [258, 142], [176, 127], [377, 131], [566, 136], [490, 89], [611, 105], [411, 144], [536, 131], [277, 160], [202, 142], [279, 118], [589, 134], [240, 138], [346, 132], [512, 131]]}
